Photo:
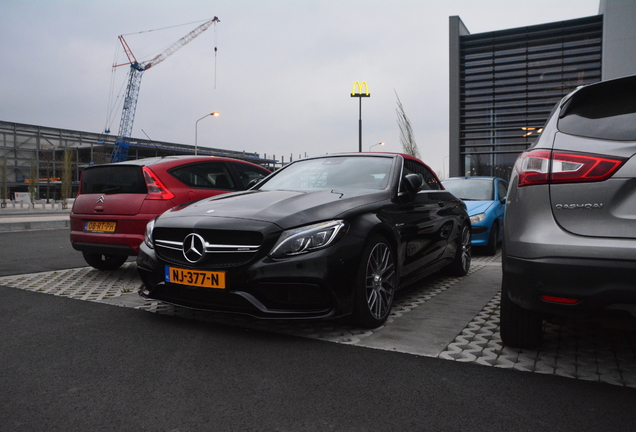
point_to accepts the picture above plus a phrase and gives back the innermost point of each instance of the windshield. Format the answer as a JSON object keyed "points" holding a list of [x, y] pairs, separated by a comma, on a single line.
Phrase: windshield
{"points": [[470, 189], [342, 172]]}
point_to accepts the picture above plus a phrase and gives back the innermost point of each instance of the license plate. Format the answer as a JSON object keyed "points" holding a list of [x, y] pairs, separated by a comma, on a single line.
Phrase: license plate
{"points": [[103, 227], [198, 278]]}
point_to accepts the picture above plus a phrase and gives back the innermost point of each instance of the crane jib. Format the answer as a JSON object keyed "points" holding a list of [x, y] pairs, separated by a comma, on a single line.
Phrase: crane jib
{"points": [[120, 150]]}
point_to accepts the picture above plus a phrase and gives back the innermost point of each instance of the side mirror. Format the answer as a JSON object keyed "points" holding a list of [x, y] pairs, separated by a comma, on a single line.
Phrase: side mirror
{"points": [[253, 183], [503, 200], [413, 183]]}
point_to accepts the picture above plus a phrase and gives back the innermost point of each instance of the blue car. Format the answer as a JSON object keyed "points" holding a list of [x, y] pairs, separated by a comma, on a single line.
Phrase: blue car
{"points": [[485, 199]]}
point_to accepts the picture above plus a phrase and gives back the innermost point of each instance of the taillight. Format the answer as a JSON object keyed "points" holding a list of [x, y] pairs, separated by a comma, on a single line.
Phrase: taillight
{"points": [[553, 166], [156, 189], [561, 300]]}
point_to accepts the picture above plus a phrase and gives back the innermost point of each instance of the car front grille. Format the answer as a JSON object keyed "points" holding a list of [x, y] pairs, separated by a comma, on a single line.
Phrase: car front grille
{"points": [[223, 248]]}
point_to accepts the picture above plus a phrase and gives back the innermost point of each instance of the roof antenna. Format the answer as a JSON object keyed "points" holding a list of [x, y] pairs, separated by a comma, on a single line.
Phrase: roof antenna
{"points": [[153, 143]]}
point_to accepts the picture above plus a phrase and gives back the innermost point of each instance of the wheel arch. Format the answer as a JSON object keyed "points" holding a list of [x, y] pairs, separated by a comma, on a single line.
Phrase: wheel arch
{"points": [[367, 225]]}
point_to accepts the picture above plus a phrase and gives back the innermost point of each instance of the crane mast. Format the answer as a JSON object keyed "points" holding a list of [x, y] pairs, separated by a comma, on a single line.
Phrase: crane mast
{"points": [[120, 151]]}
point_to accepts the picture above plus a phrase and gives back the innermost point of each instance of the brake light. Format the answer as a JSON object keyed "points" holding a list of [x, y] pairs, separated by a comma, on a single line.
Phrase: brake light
{"points": [[533, 167], [545, 167], [561, 300], [156, 189]]}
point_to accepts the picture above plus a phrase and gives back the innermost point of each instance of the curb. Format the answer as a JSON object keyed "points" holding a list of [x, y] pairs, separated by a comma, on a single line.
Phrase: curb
{"points": [[34, 225]]}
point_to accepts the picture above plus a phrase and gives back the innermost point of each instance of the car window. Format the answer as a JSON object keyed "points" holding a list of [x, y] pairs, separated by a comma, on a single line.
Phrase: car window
{"points": [[471, 189], [208, 175], [333, 172], [429, 181], [114, 179], [502, 190], [604, 111], [247, 173]]}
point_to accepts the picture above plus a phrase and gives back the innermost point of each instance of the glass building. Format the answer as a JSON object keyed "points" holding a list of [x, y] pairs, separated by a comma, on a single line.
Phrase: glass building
{"points": [[510, 80], [504, 84]]}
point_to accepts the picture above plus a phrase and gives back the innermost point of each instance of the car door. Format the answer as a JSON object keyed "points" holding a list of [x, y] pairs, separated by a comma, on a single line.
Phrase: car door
{"points": [[501, 190], [205, 179], [425, 222]]}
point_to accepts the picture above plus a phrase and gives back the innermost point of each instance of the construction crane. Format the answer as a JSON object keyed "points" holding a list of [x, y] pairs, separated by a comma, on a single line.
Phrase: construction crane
{"points": [[120, 151]]}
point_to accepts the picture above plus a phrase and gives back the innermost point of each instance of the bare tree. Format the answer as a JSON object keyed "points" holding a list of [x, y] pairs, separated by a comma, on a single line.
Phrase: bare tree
{"points": [[67, 172], [47, 160], [406, 132]]}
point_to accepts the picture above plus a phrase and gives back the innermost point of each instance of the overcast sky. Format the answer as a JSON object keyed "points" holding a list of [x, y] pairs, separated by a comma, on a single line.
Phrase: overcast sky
{"points": [[281, 78]]}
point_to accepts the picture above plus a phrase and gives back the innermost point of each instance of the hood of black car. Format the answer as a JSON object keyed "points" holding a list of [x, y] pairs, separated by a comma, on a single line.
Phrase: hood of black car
{"points": [[286, 209]]}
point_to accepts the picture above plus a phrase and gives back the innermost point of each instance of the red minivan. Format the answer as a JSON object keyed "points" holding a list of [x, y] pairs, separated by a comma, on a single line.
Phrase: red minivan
{"points": [[116, 201]]}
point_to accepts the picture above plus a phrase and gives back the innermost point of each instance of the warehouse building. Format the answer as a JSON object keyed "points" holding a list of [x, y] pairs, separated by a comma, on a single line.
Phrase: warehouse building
{"points": [[35, 154]]}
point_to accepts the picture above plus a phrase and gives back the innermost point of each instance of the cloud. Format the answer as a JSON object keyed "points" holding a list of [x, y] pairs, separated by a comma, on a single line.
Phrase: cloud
{"points": [[281, 76]]}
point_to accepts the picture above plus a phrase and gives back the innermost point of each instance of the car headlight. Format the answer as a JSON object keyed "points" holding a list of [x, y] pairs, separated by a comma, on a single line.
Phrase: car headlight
{"points": [[308, 238], [148, 233], [477, 218]]}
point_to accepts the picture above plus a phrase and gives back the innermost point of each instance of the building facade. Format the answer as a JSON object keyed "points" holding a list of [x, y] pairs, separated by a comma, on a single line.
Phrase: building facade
{"points": [[504, 84], [34, 154]]}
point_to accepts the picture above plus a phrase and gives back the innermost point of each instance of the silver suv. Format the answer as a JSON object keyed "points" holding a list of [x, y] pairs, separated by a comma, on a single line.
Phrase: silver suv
{"points": [[570, 227]]}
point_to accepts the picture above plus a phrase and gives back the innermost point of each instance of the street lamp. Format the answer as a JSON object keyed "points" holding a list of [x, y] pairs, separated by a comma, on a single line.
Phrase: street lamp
{"points": [[196, 124], [360, 90], [376, 145]]}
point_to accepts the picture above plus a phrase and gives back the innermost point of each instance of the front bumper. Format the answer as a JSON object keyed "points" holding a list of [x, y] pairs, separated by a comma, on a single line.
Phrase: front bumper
{"points": [[309, 286], [479, 235]]}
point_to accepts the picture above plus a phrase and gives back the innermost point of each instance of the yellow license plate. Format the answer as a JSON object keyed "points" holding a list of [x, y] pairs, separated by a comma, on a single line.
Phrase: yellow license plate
{"points": [[198, 278], [103, 227]]}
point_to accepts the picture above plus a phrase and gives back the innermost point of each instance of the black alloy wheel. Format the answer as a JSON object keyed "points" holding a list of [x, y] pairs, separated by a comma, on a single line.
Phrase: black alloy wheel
{"points": [[463, 255], [376, 284], [104, 262]]}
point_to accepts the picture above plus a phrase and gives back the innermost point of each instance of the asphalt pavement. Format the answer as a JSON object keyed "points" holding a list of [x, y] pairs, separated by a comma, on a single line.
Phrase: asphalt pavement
{"points": [[72, 365], [86, 365]]}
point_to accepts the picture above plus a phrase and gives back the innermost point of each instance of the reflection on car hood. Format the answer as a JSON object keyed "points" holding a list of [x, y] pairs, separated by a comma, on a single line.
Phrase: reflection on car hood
{"points": [[476, 207], [286, 209]]}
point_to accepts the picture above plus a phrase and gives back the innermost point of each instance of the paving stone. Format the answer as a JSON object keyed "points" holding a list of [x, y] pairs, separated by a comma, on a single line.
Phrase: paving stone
{"points": [[611, 377], [525, 364]]}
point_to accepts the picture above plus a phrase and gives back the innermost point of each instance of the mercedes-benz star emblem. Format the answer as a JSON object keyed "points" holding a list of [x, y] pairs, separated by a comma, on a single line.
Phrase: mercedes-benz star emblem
{"points": [[193, 248]]}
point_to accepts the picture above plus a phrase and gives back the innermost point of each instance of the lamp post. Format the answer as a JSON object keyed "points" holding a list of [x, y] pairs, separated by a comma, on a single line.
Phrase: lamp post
{"points": [[357, 91], [378, 144], [196, 125]]}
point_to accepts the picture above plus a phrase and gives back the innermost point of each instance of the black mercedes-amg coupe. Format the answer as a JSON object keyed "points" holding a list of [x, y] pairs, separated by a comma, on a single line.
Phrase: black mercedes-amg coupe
{"points": [[322, 237]]}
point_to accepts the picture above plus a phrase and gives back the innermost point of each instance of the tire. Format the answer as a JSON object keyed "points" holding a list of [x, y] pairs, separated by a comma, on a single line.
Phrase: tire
{"points": [[104, 262], [519, 327], [461, 262], [376, 283], [493, 239]]}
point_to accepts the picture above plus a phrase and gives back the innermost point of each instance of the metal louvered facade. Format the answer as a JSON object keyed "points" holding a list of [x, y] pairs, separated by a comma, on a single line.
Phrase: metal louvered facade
{"points": [[506, 84]]}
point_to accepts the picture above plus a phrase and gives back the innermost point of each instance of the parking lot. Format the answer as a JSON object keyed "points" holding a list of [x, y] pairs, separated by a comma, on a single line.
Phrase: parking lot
{"points": [[455, 319]]}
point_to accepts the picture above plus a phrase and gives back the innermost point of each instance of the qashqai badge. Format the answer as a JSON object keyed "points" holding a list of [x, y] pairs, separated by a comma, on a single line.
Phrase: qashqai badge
{"points": [[194, 248]]}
